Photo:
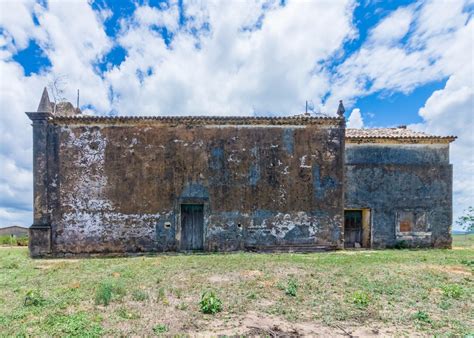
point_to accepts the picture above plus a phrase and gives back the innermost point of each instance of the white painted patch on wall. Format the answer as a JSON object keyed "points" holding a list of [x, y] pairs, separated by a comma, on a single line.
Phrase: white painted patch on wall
{"points": [[232, 158], [282, 223], [92, 215], [303, 162], [87, 192], [134, 142]]}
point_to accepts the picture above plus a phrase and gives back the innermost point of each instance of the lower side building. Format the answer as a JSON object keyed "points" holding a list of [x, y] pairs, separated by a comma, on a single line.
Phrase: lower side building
{"points": [[397, 189]]}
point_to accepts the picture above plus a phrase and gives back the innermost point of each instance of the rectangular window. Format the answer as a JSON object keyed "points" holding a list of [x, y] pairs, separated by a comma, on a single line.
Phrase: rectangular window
{"points": [[405, 221], [411, 221]]}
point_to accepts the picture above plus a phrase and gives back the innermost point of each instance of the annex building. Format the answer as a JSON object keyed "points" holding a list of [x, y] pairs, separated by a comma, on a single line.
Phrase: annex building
{"points": [[106, 185]]}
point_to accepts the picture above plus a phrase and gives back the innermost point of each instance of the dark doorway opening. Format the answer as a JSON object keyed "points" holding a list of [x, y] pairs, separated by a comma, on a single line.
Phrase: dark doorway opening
{"points": [[192, 226], [357, 228]]}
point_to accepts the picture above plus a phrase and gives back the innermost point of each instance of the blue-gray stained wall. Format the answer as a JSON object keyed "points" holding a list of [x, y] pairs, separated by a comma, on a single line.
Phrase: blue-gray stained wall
{"points": [[393, 180]]}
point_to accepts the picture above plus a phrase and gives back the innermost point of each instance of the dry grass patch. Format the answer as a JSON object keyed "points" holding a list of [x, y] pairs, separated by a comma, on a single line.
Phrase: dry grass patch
{"points": [[387, 292]]}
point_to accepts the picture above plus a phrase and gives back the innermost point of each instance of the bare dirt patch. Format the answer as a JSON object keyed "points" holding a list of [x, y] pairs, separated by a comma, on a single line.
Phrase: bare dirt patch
{"points": [[221, 278], [456, 270], [250, 274], [260, 324], [55, 263], [235, 276]]}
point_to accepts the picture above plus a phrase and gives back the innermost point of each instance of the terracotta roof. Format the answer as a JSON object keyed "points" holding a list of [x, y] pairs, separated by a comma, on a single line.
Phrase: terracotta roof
{"points": [[398, 133], [363, 135]]}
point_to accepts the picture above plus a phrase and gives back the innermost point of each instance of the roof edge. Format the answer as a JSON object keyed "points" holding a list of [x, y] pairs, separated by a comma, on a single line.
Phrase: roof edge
{"points": [[401, 139], [232, 120]]}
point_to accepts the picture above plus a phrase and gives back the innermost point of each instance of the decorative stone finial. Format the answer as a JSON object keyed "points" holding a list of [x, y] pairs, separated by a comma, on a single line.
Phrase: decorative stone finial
{"points": [[44, 105], [340, 110]]}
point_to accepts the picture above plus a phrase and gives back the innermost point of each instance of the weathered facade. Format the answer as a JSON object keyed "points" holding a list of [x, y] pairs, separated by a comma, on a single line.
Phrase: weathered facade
{"points": [[402, 181], [152, 184]]}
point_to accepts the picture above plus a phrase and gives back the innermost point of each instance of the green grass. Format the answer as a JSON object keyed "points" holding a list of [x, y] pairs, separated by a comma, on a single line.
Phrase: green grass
{"points": [[464, 241], [160, 328], [361, 299], [425, 291]]}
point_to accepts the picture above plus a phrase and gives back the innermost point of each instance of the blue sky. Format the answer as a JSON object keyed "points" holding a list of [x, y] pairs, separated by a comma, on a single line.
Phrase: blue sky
{"points": [[382, 108], [392, 62]]}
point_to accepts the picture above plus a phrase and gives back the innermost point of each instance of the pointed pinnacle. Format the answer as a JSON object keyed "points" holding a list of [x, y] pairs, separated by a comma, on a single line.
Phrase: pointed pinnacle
{"points": [[44, 105], [340, 110]]}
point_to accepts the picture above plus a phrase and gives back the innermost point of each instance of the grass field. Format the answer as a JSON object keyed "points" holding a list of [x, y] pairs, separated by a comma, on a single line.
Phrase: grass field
{"points": [[389, 292]]}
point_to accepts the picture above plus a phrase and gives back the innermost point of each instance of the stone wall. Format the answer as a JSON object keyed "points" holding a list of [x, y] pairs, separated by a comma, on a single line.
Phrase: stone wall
{"points": [[116, 185], [408, 188]]}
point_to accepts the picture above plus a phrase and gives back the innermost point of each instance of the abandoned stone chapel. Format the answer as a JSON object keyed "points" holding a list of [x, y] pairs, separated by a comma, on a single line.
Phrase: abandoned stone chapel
{"points": [[127, 184]]}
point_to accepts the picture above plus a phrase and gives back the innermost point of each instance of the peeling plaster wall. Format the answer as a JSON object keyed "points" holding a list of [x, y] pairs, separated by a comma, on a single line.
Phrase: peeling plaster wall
{"points": [[88, 220], [394, 178], [118, 187]]}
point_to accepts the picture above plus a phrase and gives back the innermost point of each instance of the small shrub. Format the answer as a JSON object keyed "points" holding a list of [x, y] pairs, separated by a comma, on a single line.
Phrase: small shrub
{"points": [[160, 328], [361, 299], [108, 291], [422, 316], [468, 263], [139, 295], [13, 240], [7, 240], [103, 294], [34, 298], [210, 303], [22, 241], [291, 288], [452, 291]]}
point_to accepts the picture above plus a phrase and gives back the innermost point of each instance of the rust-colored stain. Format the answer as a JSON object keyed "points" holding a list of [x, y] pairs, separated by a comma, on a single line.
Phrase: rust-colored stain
{"points": [[405, 226]]}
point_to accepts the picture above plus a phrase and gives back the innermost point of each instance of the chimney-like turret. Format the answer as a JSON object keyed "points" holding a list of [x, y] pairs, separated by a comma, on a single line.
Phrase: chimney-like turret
{"points": [[340, 110], [40, 231], [45, 105]]}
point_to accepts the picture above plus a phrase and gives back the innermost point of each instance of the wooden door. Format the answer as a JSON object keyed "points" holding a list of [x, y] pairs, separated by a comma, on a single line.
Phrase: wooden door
{"points": [[192, 226], [352, 228]]}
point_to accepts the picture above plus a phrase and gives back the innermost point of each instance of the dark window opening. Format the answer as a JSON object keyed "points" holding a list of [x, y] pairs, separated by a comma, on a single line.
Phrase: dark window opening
{"points": [[352, 228], [357, 228]]}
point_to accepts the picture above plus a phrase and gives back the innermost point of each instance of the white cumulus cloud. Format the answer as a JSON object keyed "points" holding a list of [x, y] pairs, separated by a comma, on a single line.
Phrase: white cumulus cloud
{"points": [[393, 28], [355, 119]]}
